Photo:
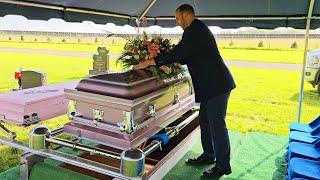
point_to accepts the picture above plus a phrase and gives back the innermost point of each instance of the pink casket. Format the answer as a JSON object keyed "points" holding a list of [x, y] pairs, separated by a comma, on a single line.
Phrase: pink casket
{"points": [[28, 106], [123, 110]]}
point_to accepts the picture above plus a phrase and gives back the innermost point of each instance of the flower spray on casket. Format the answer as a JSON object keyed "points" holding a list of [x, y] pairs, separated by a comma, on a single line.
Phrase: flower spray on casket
{"points": [[141, 48]]}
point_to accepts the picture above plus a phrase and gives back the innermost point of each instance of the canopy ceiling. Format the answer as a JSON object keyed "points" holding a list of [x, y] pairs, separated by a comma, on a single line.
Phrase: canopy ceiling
{"points": [[267, 14]]}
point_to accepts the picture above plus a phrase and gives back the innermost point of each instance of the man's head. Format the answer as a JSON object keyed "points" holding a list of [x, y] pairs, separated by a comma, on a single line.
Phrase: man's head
{"points": [[184, 15]]}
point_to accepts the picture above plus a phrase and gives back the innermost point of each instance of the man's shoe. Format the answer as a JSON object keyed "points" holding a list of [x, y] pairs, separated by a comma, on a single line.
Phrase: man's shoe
{"points": [[200, 161], [217, 172]]}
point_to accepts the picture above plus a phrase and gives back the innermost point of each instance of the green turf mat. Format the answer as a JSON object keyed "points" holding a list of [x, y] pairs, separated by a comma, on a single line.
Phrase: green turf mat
{"points": [[11, 174], [254, 156], [43, 171]]}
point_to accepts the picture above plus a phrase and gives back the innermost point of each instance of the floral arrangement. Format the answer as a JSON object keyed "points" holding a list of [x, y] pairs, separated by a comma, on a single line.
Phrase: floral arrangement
{"points": [[141, 48]]}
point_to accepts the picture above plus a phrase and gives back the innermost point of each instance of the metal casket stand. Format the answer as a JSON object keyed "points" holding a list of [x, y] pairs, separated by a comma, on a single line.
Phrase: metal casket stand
{"points": [[104, 162]]}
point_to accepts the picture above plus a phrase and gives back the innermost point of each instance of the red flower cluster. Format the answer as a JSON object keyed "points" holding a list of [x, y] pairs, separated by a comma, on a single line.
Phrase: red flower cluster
{"points": [[17, 75]]}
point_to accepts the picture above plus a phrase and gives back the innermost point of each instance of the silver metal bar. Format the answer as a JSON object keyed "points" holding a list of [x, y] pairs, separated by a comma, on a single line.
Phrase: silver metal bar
{"points": [[170, 160], [97, 13], [91, 150], [154, 145], [238, 18], [32, 4], [304, 59], [76, 161], [56, 7], [145, 11], [7, 132], [173, 132], [56, 132]]}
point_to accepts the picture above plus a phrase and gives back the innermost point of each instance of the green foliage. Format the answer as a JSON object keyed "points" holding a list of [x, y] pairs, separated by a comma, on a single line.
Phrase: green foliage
{"points": [[64, 40], [21, 38]]}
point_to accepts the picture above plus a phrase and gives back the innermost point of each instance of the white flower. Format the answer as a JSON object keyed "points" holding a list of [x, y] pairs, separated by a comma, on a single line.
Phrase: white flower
{"points": [[136, 56]]}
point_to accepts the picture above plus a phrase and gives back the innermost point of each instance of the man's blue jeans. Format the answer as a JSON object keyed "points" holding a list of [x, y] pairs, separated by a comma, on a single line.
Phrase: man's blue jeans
{"points": [[214, 133]]}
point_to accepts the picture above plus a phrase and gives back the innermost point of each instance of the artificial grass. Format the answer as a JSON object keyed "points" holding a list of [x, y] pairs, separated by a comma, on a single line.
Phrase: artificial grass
{"points": [[253, 156]]}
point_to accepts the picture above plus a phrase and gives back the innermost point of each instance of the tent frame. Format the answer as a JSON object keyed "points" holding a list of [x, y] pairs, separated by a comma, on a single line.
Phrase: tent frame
{"points": [[311, 6]]}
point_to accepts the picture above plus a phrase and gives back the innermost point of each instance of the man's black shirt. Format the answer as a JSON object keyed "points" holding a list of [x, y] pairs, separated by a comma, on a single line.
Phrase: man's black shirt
{"points": [[198, 50]]}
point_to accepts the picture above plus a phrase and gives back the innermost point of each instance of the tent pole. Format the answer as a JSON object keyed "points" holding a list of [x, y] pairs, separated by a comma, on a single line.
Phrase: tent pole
{"points": [[145, 11], [305, 58]]}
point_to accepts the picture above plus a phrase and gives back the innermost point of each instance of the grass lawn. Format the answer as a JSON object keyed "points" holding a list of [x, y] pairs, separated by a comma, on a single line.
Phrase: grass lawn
{"points": [[10, 157], [229, 53], [114, 49], [263, 55], [58, 68], [267, 100], [264, 100]]}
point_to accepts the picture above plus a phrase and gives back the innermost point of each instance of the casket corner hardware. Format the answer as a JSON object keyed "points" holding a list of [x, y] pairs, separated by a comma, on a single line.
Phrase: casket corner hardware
{"points": [[128, 123], [71, 109], [176, 99], [152, 110]]}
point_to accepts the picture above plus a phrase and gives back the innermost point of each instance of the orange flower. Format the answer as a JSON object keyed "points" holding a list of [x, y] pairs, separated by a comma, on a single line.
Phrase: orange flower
{"points": [[153, 49]]}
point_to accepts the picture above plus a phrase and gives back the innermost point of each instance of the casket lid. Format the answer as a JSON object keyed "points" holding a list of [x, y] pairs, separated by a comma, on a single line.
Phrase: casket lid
{"points": [[127, 85]]}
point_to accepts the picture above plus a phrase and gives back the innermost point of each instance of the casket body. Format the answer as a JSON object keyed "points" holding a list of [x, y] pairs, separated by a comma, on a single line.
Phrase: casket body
{"points": [[27, 106], [125, 114]]}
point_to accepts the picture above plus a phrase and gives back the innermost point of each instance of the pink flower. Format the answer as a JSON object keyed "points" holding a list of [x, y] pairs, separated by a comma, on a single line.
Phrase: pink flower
{"points": [[166, 69]]}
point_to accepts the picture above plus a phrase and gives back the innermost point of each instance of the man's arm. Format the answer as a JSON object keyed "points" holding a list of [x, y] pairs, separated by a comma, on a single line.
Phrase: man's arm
{"points": [[179, 53]]}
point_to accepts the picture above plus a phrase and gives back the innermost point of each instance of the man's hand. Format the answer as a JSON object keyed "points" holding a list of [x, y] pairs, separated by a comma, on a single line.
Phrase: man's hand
{"points": [[144, 64]]}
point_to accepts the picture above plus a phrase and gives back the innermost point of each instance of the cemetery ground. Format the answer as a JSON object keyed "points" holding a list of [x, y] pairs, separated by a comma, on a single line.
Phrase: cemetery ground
{"points": [[264, 100]]}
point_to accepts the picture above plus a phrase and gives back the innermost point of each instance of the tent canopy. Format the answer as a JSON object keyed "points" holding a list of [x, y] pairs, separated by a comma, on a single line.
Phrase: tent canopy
{"points": [[266, 14]]}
